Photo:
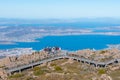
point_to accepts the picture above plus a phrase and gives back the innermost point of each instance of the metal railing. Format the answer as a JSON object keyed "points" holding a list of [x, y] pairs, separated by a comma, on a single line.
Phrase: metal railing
{"points": [[55, 57]]}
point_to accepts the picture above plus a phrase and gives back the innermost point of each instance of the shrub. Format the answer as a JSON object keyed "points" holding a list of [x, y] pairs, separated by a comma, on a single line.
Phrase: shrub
{"points": [[101, 71], [36, 68], [38, 72], [58, 68], [16, 75], [29, 78], [103, 51], [52, 64]]}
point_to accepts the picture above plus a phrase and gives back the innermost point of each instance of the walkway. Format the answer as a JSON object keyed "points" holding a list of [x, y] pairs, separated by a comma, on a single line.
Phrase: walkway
{"points": [[56, 57]]}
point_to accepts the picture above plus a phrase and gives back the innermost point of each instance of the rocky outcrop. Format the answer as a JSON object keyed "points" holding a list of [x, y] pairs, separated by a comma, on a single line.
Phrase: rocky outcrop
{"points": [[105, 77], [3, 74], [14, 61], [102, 77], [99, 55]]}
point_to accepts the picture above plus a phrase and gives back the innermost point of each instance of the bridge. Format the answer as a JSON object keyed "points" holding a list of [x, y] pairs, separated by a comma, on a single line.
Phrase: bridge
{"points": [[10, 71]]}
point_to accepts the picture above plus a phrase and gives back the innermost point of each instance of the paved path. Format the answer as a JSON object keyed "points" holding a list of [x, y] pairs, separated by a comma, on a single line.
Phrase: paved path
{"points": [[56, 57]]}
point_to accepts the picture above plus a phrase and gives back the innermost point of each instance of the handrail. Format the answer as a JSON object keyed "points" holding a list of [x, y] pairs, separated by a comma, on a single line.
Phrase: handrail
{"points": [[54, 57]]}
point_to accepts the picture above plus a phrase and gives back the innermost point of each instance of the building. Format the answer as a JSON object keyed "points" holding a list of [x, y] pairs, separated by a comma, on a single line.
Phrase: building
{"points": [[52, 49]]}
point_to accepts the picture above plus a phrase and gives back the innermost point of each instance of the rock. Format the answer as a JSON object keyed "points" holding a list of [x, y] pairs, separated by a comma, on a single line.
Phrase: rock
{"points": [[115, 68], [70, 61], [3, 75], [105, 77], [94, 78]]}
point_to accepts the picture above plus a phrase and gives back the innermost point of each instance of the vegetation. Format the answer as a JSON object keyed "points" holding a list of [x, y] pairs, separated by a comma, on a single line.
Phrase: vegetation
{"points": [[101, 71], [29, 78], [37, 71], [115, 75], [67, 71], [58, 68], [36, 68], [52, 64], [2, 66], [17, 75], [103, 51]]}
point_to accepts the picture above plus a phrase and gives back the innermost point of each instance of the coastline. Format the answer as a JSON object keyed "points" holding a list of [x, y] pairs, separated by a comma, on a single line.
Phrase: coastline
{"points": [[22, 51], [96, 42], [34, 39]]}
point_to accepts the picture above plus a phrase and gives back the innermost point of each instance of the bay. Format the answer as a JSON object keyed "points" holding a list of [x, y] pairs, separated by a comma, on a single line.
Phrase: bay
{"points": [[71, 42]]}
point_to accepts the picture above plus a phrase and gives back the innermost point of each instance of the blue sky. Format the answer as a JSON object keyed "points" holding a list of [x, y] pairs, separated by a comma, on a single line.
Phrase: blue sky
{"points": [[40, 9]]}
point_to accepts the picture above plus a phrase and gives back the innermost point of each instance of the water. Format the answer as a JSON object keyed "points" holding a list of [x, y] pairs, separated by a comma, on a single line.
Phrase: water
{"points": [[72, 42]]}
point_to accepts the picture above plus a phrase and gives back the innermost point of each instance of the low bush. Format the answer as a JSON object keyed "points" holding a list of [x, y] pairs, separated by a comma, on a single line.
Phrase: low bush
{"points": [[103, 51], [17, 75], [29, 78], [52, 64], [38, 72], [36, 68], [101, 71], [58, 68]]}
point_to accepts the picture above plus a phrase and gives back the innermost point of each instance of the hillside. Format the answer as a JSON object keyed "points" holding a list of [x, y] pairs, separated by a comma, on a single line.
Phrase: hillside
{"points": [[67, 69]]}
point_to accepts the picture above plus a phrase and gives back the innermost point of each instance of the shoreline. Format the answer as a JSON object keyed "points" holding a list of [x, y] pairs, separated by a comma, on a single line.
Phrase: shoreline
{"points": [[66, 34], [42, 41], [7, 52]]}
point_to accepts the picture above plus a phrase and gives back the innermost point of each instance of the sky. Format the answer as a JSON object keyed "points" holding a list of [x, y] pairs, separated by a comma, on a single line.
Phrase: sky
{"points": [[42, 9]]}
